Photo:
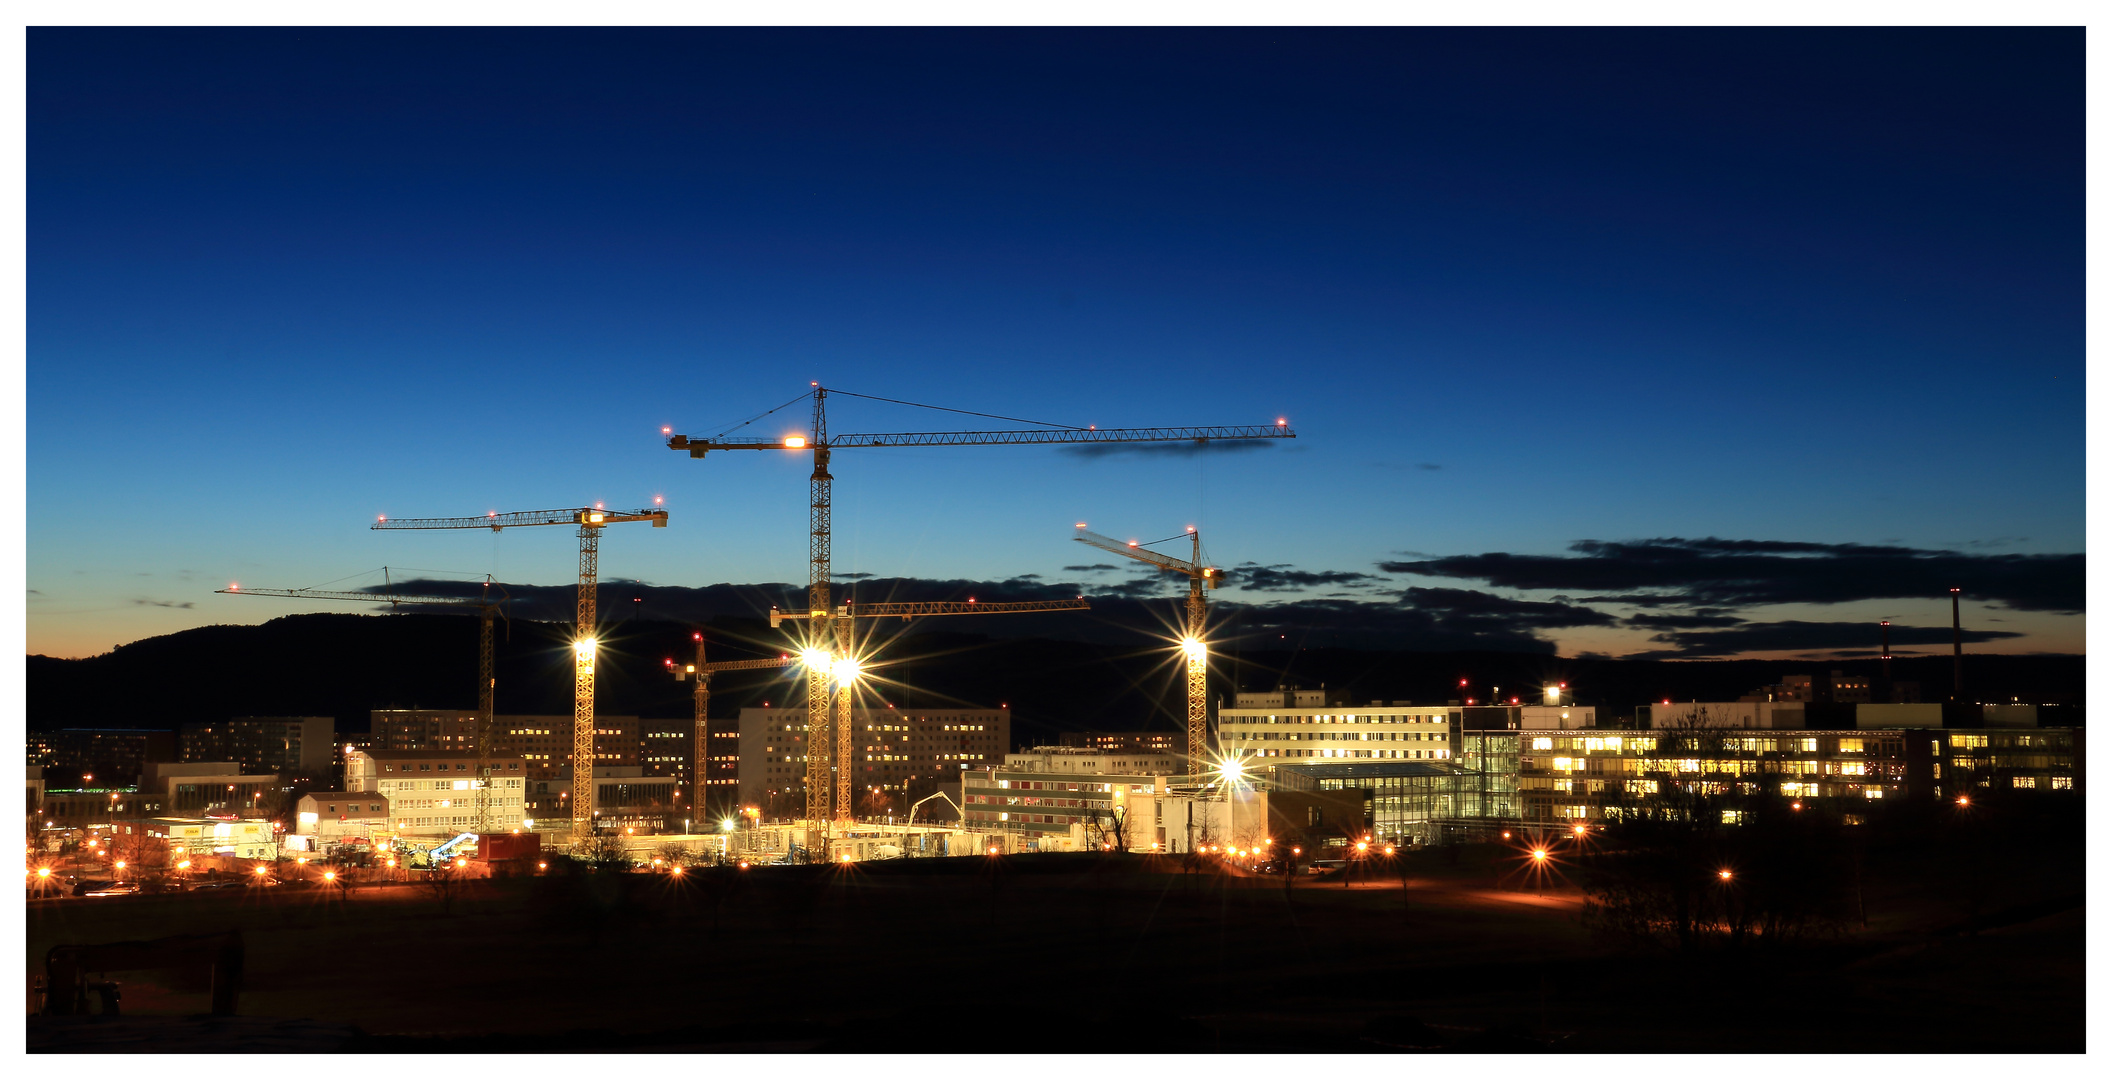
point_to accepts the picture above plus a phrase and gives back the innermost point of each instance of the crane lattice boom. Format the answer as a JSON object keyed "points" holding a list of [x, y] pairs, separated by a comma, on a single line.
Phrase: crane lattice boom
{"points": [[586, 515], [591, 520], [378, 598], [1028, 436], [1196, 652], [823, 630], [1144, 554], [911, 610]]}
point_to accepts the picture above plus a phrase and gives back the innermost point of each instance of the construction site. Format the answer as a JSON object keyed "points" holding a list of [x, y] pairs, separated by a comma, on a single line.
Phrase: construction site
{"points": [[831, 647]]}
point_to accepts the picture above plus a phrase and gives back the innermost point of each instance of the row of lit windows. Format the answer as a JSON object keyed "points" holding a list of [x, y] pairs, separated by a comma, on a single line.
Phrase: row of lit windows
{"points": [[1344, 718], [1330, 752], [1072, 785], [428, 767], [1337, 736]]}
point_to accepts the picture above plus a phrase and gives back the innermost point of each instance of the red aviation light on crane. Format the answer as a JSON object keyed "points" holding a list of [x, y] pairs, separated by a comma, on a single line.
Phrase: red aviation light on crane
{"points": [[234, 586], [664, 430], [795, 442], [1132, 543], [696, 637], [1282, 422]]}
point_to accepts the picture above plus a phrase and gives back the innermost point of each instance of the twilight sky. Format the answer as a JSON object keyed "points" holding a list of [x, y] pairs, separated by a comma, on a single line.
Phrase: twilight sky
{"points": [[1700, 343]]}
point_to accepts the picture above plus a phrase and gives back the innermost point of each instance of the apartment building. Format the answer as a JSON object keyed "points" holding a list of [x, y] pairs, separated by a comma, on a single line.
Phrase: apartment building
{"points": [[264, 744], [1301, 725], [111, 755], [890, 748], [436, 792]]}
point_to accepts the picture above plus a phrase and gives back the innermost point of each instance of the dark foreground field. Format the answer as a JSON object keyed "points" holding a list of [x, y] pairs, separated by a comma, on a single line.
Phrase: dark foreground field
{"points": [[1071, 954]]}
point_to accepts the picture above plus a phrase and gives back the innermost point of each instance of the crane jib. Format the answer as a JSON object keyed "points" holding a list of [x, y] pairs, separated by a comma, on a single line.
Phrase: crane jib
{"points": [[698, 447]]}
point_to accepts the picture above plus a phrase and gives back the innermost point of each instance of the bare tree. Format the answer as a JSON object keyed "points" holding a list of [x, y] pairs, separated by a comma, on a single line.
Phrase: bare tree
{"points": [[605, 853], [1108, 827], [444, 882]]}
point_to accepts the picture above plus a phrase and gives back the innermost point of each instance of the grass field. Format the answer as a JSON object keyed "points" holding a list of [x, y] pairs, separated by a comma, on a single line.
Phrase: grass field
{"points": [[1077, 954]]}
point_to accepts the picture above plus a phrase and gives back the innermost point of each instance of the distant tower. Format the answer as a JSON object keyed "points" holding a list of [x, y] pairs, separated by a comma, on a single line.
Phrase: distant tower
{"points": [[1884, 651], [1957, 653]]}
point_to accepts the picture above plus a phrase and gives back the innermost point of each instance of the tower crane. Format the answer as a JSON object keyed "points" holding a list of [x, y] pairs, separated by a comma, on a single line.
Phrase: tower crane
{"points": [[702, 673], [843, 670], [486, 683], [591, 520], [1192, 645], [821, 634]]}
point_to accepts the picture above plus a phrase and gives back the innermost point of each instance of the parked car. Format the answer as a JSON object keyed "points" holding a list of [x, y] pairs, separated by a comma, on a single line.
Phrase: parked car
{"points": [[115, 888]]}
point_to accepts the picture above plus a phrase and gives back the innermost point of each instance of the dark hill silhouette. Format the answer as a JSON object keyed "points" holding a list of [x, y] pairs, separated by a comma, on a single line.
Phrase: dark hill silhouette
{"points": [[343, 665]]}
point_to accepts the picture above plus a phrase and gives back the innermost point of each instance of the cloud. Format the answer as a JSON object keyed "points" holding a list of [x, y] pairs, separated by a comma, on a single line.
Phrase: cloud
{"points": [[850, 577], [1468, 607], [1747, 573], [1440, 627], [1165, 449], [1277, 577], [1094, 568], [1137, 588], [1798, 636], [1696, 621], [184, 604]]}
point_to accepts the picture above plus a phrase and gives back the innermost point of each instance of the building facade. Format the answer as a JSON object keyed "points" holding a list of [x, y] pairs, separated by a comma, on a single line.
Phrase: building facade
{"points": [[627, 797], [1068, 810], [1281, 725], [117, 755], [261, 744], [241, 839], [668, 748], [339, 817], [435, 792], [1160, 742], [1576, 776], [890, 749], [421, 729]]}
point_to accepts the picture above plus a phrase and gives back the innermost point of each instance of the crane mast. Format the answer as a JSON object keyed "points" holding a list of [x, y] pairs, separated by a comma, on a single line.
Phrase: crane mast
{"points": [[1193, 647], [818, 624], [591, 520], [822, 635], [702, 672]]}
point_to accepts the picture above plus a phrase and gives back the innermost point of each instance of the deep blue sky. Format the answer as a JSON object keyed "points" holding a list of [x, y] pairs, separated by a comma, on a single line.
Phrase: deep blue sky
{"points": [[1823, 287]]}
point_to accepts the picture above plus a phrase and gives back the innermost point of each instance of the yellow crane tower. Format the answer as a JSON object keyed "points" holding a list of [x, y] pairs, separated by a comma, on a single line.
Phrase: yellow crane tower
{"points": [[591, 520], [702, 673], [822, 635], [1192, 642], [486, 683], [843, 671]]}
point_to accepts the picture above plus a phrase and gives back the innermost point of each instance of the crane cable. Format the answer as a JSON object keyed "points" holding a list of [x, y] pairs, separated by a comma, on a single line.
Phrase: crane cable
{"points": [[963, 412], [760, 415]]}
